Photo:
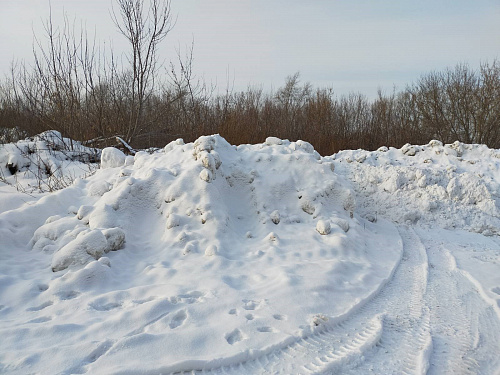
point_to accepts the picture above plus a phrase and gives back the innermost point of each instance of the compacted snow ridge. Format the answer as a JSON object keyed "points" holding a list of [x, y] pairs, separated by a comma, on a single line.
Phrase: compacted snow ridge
{"points": [[209, 258]]}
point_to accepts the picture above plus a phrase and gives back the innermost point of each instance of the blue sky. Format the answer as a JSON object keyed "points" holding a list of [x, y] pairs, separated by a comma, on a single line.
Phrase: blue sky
{"points": [[348, 45]]}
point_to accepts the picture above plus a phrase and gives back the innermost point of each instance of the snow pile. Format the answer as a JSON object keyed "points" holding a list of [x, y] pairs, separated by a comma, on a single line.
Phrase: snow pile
{"points": [[46, 162], [199, 253], [450, 186], [205, 254], [112, 157]]}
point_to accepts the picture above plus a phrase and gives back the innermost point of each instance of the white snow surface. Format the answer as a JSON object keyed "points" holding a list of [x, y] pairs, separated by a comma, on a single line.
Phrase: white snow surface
{"points": [[262, 258]]}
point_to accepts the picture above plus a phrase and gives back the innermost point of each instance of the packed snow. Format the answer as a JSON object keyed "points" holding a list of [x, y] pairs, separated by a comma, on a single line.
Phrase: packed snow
{"points": [[251, 259]]}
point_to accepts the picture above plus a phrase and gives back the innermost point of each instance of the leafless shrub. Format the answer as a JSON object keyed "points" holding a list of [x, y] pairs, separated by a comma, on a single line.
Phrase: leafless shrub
{"points": [[87, 94]]}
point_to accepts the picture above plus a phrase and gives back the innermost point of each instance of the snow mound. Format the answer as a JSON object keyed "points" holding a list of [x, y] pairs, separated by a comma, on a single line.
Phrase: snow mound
{"points": [[451, 186], [282, 185], [45, 162], [201, 250]]}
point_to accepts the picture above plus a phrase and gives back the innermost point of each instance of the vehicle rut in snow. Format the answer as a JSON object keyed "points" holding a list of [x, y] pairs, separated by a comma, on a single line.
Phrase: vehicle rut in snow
{"points": [[375, 328], [429, 318], [465, 327]]}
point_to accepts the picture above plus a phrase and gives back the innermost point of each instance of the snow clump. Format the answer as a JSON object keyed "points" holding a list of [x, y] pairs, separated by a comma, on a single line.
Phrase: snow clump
{"points": [[323, 227], [112, 158]]}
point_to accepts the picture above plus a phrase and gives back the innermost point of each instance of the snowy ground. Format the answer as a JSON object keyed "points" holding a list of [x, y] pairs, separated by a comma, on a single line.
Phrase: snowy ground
{"points": [[256, 259]]}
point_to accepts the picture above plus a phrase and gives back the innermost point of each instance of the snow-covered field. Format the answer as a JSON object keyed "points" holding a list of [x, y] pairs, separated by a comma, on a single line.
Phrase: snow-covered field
{"points": [[252, 259]]}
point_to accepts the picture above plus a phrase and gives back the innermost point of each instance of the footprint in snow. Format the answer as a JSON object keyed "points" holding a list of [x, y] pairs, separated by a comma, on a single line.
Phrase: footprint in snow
{"points": [[42, 287], [266, 329], [279, 317], [191, 297], [68, 295], [40, 307], [98, 352], [145, 300], [41, 319], [178, 319], [104, 307], [249, 316], [496, 290], [234, 336], [250, 304]]}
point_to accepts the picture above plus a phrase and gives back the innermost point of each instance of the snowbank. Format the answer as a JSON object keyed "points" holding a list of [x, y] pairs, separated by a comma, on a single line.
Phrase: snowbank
{"points": [[204, 254], [197, 251], [449, 186]]}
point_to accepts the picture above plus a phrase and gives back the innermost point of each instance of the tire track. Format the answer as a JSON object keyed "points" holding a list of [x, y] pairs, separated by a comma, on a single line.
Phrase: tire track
{"points": [[406, 343], [395, 321], [429, 319], [465, 327]]}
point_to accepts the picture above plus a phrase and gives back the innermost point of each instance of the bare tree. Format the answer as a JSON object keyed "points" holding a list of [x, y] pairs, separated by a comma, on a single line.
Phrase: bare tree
{"points": [[144, 30]]}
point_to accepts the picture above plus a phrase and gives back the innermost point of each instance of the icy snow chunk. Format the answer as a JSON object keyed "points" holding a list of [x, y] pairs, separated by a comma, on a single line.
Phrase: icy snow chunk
{"points": [[169, 197], [105, 261], [173, 221], [211, 250], [115, 238], [207, 160], [272, 237], [217, 159], [206, 216], [457, 147], [182, 237], [435, 143], [112, 157], [275, 217], [88, 245], [204, 143], [318, 320], [323, 227], [306, 146], [55, 229], [409, 150], [189, 248], [307, 206], [360, 158], [206, 175], [173, 144], [270, 141]]}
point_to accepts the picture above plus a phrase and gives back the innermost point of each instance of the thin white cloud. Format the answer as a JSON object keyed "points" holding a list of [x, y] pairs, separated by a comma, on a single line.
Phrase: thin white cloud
{"points": [[261, 42]]}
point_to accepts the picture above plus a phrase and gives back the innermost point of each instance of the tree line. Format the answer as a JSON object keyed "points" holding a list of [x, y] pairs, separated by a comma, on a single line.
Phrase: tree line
{"points": [[90, 95]]}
